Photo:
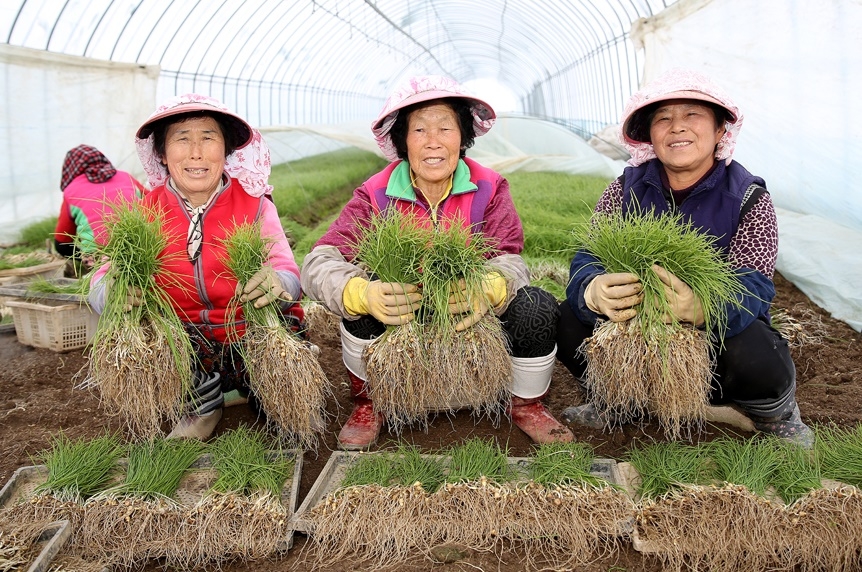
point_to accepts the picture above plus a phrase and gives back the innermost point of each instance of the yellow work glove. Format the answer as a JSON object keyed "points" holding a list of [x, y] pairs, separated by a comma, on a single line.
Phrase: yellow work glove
{"points": [[392, 303], [263, 288], [614, 295], [476, 304], [684, 305]]}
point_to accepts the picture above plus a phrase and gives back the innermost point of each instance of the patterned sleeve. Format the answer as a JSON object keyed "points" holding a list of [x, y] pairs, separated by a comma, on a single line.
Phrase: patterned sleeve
{"points": [[755, 243]]}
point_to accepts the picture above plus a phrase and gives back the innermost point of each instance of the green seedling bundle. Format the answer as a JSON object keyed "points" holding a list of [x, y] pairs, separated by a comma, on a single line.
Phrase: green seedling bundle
{"points": [[283, 372], [141, 357], [426, 365], [392, 505], [733, 504], [655, 364]]}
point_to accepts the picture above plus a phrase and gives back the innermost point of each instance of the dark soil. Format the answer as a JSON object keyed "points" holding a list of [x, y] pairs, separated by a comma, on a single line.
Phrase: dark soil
{"points": [[39, 399]]}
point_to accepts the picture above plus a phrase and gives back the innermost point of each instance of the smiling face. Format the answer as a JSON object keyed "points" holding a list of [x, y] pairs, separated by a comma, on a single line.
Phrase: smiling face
{"points": [[195, 157], [433, 147], [684, 135]]}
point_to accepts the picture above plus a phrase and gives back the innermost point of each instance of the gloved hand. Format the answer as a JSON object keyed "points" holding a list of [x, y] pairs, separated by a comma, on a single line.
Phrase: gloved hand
{"points": [[392, 303], [614, 295], [135, 297], [684, 305], [263, 288], [478, 303]]}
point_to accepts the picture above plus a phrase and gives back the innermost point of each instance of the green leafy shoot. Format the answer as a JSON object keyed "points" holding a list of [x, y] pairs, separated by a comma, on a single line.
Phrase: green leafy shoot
{"points": [[635, 242], [79, 469], [156, 467], [839, 452], [247, 252], [393, 246], [372, 469], [244, 466], [666, 466], [43, 286], [563, 464], [410, 466], [477, 458], [797, 472], [749, 462]]}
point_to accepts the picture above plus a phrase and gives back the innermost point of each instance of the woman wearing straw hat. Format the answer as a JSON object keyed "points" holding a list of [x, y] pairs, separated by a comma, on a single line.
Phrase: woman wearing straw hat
{"points": [[681, 131], [425, 129], [209, 171]]}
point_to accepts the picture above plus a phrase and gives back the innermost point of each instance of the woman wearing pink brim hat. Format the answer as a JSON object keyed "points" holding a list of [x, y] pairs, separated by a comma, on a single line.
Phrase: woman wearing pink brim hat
{"points": [[425, 129], [681, 131], [209, 170]]}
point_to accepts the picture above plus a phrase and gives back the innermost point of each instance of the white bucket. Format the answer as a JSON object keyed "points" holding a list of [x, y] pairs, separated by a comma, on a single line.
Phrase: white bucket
{"points": [[531, 377], [352, 352]]}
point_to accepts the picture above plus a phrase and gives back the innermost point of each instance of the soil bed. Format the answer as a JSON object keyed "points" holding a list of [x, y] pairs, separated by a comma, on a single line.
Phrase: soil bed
{"points": [[39, 399]]}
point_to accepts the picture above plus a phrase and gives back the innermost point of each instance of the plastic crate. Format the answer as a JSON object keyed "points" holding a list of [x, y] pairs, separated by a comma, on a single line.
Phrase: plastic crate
{"points": [[60, 328]]}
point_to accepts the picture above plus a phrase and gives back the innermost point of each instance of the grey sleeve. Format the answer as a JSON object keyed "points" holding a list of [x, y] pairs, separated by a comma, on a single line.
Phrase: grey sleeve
{"points": [[324, 275]]}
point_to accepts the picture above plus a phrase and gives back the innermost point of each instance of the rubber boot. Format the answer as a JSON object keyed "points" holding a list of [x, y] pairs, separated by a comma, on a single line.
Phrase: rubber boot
{"points": [[533, 418], [362, 428], [205, 408]]}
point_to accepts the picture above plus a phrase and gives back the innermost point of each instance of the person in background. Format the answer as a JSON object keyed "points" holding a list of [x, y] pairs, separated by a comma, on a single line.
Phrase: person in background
{"points": [[425, 129], [681, 131], [209, 171], [90, 184]]}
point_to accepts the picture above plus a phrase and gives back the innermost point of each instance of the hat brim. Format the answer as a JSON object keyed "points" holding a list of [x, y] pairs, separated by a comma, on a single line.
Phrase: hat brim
{"points": [[243, 129], [633, 128], [431, 95]]}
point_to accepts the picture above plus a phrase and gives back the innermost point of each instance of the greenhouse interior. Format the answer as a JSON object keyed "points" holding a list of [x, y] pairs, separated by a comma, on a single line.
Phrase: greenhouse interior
{"points": [[311, 75]]}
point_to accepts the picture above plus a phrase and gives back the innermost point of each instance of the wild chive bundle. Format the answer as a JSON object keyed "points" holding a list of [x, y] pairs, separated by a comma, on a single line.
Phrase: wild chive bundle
{"points": [[283, 372], [751, 462], [425, 365], [156, 467], [79, 469], [563, 464], [405, 467], [244, 467], [141, 357], [645, 364], [477, 458], [839, 452], [666, 466]]}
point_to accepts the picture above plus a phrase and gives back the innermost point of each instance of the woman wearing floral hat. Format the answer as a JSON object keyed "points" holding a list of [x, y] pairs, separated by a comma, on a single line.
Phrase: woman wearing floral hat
{"points": [[209, 171], [425, 129], [681, 131]]}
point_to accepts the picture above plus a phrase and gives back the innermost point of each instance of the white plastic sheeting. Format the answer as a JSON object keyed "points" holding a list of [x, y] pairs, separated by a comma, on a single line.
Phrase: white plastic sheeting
{"points": [[52, 103], [793, 68]]}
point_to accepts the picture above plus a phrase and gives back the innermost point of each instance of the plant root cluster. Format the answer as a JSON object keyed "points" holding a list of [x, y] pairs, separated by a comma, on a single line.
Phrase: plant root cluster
{"points": [[135, 381], [729, 528], [377, 527], [289, 382], [416, 369], [129, 532], [629, 378]]}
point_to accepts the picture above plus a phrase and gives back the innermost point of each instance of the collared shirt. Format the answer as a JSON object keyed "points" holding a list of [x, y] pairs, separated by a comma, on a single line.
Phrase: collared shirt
{"points": [[194, 239]]}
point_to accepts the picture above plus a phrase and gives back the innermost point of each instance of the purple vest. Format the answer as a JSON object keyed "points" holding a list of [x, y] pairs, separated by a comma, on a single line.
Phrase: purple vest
{"points": [[713, 207]]}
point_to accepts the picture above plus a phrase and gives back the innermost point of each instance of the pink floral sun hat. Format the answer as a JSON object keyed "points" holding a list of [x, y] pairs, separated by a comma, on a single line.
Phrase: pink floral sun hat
{"points": [[426, 88], [250, 164], [676, 83]]}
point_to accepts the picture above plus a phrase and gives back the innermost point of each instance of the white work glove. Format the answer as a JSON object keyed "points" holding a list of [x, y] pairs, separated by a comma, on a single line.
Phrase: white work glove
{"points": [[263, 288], [684, 305], [392, 303], [614, 295]]}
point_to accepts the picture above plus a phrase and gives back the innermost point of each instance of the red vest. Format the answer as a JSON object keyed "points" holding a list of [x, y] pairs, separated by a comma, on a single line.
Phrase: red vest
{"points": [[201, 292], [467, 207]]}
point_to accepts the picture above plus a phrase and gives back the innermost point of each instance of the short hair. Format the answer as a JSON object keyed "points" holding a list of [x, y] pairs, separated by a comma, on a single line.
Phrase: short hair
{"points": [[232, 135], [463, 111]]}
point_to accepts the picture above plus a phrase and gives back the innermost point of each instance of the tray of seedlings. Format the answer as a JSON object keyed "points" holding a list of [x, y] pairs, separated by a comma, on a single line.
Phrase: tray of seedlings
{"points": [[754, 504], [183, 503], [561, 505], [60, 289]]}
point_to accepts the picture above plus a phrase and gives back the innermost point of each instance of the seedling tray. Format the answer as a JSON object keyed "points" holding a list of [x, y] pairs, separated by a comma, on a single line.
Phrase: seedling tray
{"points": [[334, 471]]}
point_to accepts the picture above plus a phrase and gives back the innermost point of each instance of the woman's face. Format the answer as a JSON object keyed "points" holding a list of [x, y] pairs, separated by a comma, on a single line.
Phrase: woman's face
{"points": [[684, 135], [433, 144], [194, 156]]}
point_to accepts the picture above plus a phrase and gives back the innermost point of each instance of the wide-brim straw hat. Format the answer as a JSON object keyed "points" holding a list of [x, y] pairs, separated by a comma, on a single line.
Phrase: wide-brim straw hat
{"points": [[418, 89], [192, 102]]}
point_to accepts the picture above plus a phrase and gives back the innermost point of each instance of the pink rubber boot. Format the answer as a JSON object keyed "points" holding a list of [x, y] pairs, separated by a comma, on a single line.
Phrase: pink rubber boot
{"points": [[533, 418]]}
